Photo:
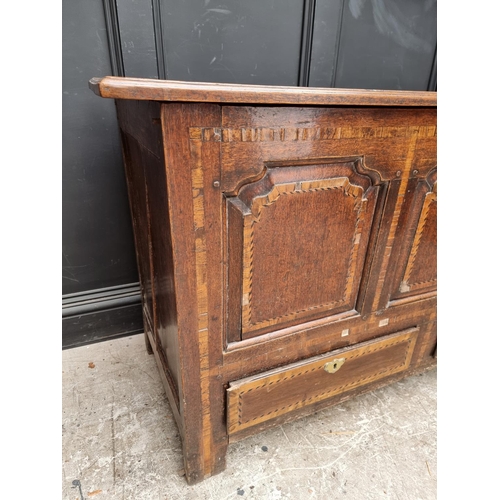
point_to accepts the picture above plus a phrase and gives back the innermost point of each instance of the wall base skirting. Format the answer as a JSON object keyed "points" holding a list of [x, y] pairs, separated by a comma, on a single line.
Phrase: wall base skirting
{"points": [[103, 314]]}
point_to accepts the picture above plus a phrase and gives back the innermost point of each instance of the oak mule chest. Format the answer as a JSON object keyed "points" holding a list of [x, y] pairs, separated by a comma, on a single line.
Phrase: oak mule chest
{"points": [[286, 246]]}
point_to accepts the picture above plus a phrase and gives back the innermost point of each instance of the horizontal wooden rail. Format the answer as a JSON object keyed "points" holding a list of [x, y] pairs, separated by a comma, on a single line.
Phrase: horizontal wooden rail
{"points": [[170, 90]]}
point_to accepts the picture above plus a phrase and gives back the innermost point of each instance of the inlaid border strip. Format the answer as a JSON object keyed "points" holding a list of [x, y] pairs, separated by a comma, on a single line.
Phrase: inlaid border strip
{"points": [[294, 134], [197, 184], [406, 286], [236, 422]]}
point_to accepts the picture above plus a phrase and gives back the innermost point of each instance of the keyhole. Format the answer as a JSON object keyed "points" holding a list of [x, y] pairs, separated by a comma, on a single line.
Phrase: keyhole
{"points": [[334, 365]]}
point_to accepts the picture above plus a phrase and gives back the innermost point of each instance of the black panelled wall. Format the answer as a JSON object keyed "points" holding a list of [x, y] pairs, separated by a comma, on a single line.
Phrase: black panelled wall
{"points": [[380, 44]]}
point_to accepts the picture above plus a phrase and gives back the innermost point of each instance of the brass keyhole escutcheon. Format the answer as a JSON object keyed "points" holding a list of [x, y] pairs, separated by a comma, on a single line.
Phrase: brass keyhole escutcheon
{"points": [[334, 366]]}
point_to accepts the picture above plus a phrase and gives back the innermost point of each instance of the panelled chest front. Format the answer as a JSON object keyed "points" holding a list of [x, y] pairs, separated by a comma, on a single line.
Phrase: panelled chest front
{"points": [[286, 244]]}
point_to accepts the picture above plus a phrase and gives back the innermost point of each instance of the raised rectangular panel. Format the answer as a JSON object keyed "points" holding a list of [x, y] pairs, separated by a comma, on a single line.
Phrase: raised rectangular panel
{"points": [[297, 242], [416, 262]]}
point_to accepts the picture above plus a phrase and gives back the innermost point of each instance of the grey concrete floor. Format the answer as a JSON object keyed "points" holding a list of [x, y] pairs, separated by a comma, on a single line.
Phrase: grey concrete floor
{"points": [[120, 440]]}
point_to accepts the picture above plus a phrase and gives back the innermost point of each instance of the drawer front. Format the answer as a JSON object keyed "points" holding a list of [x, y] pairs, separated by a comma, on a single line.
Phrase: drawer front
{"points": [[268, 395]]}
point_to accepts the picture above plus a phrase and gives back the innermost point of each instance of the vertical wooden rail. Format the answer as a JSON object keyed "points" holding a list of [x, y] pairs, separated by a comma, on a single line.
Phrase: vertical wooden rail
{"points": [[192, 166]]}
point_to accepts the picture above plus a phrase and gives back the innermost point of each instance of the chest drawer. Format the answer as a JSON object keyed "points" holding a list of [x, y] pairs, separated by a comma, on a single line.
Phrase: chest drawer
{"points": [[259, 398]]}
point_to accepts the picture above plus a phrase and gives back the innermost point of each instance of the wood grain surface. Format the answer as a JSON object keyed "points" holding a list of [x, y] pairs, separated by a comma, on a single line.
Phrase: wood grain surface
{"points": [[269, 395], [171, 90], [275, 229]]}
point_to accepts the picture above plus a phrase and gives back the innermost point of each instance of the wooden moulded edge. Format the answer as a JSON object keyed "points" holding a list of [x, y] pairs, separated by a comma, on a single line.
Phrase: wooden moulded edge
{"points": [[114, 87]]}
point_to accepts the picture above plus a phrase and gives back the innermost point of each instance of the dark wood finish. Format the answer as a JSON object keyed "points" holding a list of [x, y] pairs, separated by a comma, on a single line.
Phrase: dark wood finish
{"points": [[255, 136], [271, 394], [196, 221], [146, 182], [331, 206], [322, 404], [271, 239], [313, 338]]}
